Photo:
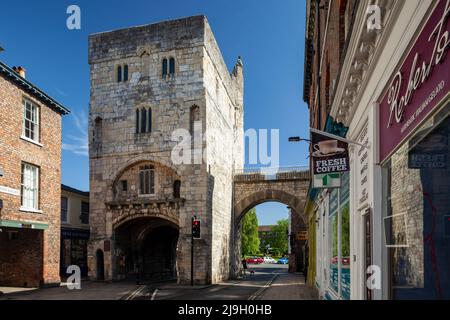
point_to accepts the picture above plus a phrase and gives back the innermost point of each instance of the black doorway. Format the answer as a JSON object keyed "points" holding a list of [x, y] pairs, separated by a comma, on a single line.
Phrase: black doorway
{"points": [[100, 265]]}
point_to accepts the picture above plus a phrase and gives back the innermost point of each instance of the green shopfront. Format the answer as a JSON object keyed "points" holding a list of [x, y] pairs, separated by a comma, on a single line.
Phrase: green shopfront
{"points": [[339, 241]]}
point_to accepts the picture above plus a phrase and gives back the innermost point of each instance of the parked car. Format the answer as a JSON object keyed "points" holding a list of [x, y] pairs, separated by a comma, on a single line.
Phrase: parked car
{"points": [[345, 261], [283, 260], [255, 260], [269, 260]]}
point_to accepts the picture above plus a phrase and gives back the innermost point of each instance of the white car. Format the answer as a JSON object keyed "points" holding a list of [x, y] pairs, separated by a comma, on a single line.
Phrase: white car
{"points": [[269, 260]]}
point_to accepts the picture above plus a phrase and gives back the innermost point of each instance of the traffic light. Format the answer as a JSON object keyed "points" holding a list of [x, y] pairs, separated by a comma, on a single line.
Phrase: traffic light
{"points": [[196, 228]]}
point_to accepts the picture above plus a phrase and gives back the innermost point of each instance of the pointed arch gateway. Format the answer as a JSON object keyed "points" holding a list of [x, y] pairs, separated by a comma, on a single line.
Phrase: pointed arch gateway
{"points": [[145, 220]]}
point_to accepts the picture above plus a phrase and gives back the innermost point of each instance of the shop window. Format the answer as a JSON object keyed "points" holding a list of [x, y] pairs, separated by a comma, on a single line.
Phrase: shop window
{"points": [[13, 235], [339, 239], [416, 198]]}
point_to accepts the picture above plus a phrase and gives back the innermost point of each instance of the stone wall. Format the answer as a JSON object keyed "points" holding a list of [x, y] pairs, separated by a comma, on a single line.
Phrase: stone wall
{"points": [[205, 186]]}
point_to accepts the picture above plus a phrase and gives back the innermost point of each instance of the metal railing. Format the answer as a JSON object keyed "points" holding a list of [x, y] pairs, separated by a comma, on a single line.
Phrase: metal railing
{"points": [[268, 174]]}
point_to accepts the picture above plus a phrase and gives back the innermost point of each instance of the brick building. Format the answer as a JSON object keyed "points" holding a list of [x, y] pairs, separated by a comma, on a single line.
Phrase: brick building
{"points": [[328, 29], [74, 228], [30, 182]]}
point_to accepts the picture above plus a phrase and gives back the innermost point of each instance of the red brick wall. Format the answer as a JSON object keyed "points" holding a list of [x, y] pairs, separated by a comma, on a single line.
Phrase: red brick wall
{"points": [[332, 43], [21, 259], [14, 151]]}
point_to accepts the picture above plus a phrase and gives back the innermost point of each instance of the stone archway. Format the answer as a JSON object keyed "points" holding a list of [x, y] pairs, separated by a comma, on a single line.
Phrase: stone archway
{"points": [[259, 197], [146, 249], [288, 186]]}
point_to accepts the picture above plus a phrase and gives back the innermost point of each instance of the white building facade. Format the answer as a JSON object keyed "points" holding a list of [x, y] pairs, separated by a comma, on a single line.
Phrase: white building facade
{"points": [[393, 95]]}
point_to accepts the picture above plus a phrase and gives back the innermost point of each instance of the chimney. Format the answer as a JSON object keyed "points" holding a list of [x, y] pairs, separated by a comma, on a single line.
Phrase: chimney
{"points": [[20, 70]]}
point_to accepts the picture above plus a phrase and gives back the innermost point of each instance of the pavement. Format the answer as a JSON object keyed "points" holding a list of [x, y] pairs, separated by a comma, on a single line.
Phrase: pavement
{"points": [[288, 286], [90, 290]]}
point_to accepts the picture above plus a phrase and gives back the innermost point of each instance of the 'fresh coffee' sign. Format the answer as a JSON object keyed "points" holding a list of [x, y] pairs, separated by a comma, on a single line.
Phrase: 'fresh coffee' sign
{"points": [[329, 155]]}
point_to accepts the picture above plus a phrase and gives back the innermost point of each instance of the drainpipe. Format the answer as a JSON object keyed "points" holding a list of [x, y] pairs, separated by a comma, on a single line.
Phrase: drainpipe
{"points": [[319, 120]]}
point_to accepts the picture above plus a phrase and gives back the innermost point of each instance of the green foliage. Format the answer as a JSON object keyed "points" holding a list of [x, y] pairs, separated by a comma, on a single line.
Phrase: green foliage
{"points": [[334, 224], [250, 239], [345, 232], [278, 238]]}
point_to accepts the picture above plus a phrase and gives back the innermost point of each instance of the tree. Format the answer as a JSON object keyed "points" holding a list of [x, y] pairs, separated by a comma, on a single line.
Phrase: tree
{"points": [[250, 239], [279, 237]]}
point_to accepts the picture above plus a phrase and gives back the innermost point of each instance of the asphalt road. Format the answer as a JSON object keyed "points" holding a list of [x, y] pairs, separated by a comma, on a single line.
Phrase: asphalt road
{"points": [[249, 287]]}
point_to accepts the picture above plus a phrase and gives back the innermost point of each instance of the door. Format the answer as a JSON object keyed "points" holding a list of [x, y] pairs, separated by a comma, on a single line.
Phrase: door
{"points": [[368, 249]]}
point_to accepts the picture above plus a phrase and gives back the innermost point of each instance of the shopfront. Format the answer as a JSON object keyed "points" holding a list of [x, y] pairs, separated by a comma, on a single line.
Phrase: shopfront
{"points": [[414, 134], [74, 249]]}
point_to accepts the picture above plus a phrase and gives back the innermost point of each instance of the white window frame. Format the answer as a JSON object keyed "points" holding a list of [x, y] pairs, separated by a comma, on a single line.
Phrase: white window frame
{"points": [[35, 115], [30, 187]]}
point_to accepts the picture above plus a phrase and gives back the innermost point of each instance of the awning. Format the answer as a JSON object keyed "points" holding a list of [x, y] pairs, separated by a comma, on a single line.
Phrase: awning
{"points": [[23, 225]]}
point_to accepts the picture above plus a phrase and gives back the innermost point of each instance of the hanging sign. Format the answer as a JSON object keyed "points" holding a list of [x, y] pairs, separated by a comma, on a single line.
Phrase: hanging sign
{"points": [[329, 155]]}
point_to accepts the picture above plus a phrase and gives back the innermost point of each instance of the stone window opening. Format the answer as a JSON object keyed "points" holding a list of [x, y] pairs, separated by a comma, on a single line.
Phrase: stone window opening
{"points": [[122, 73], [30, 128], [168, 67], [144, 120], [194, 117], [171, 66], [97, 134], [177, 189], [147, 180], [124, 185], [164, 67]]}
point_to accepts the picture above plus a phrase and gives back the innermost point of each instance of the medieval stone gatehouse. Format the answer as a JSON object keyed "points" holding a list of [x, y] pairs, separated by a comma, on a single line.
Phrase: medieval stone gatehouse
{"points": [[150, 84]]}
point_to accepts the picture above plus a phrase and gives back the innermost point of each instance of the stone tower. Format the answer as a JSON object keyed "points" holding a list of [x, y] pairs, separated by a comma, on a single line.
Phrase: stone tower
{"points": [[150, 87]]}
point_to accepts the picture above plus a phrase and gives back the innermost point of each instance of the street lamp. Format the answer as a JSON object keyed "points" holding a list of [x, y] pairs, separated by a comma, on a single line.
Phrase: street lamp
{"points": [[298, 139]]}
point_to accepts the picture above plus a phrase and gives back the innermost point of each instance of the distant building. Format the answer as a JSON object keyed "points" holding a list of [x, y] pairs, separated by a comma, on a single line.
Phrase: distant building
{"points": [[74, 228], [30, 182], [264, 234]]}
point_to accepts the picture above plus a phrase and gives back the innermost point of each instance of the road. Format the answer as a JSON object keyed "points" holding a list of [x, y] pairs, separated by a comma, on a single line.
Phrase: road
{"points": [[268, 282]]}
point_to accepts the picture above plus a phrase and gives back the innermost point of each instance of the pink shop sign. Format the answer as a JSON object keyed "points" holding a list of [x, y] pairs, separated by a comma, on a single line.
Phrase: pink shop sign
{"points": [[419, 85]]}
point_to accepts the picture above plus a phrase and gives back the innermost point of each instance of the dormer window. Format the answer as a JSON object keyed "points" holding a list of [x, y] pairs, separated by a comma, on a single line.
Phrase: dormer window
{"points": [[122, 73]]}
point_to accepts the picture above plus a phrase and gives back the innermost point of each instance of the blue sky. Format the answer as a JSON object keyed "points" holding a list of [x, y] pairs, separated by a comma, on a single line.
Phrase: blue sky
{"points": [[269, 35]]}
